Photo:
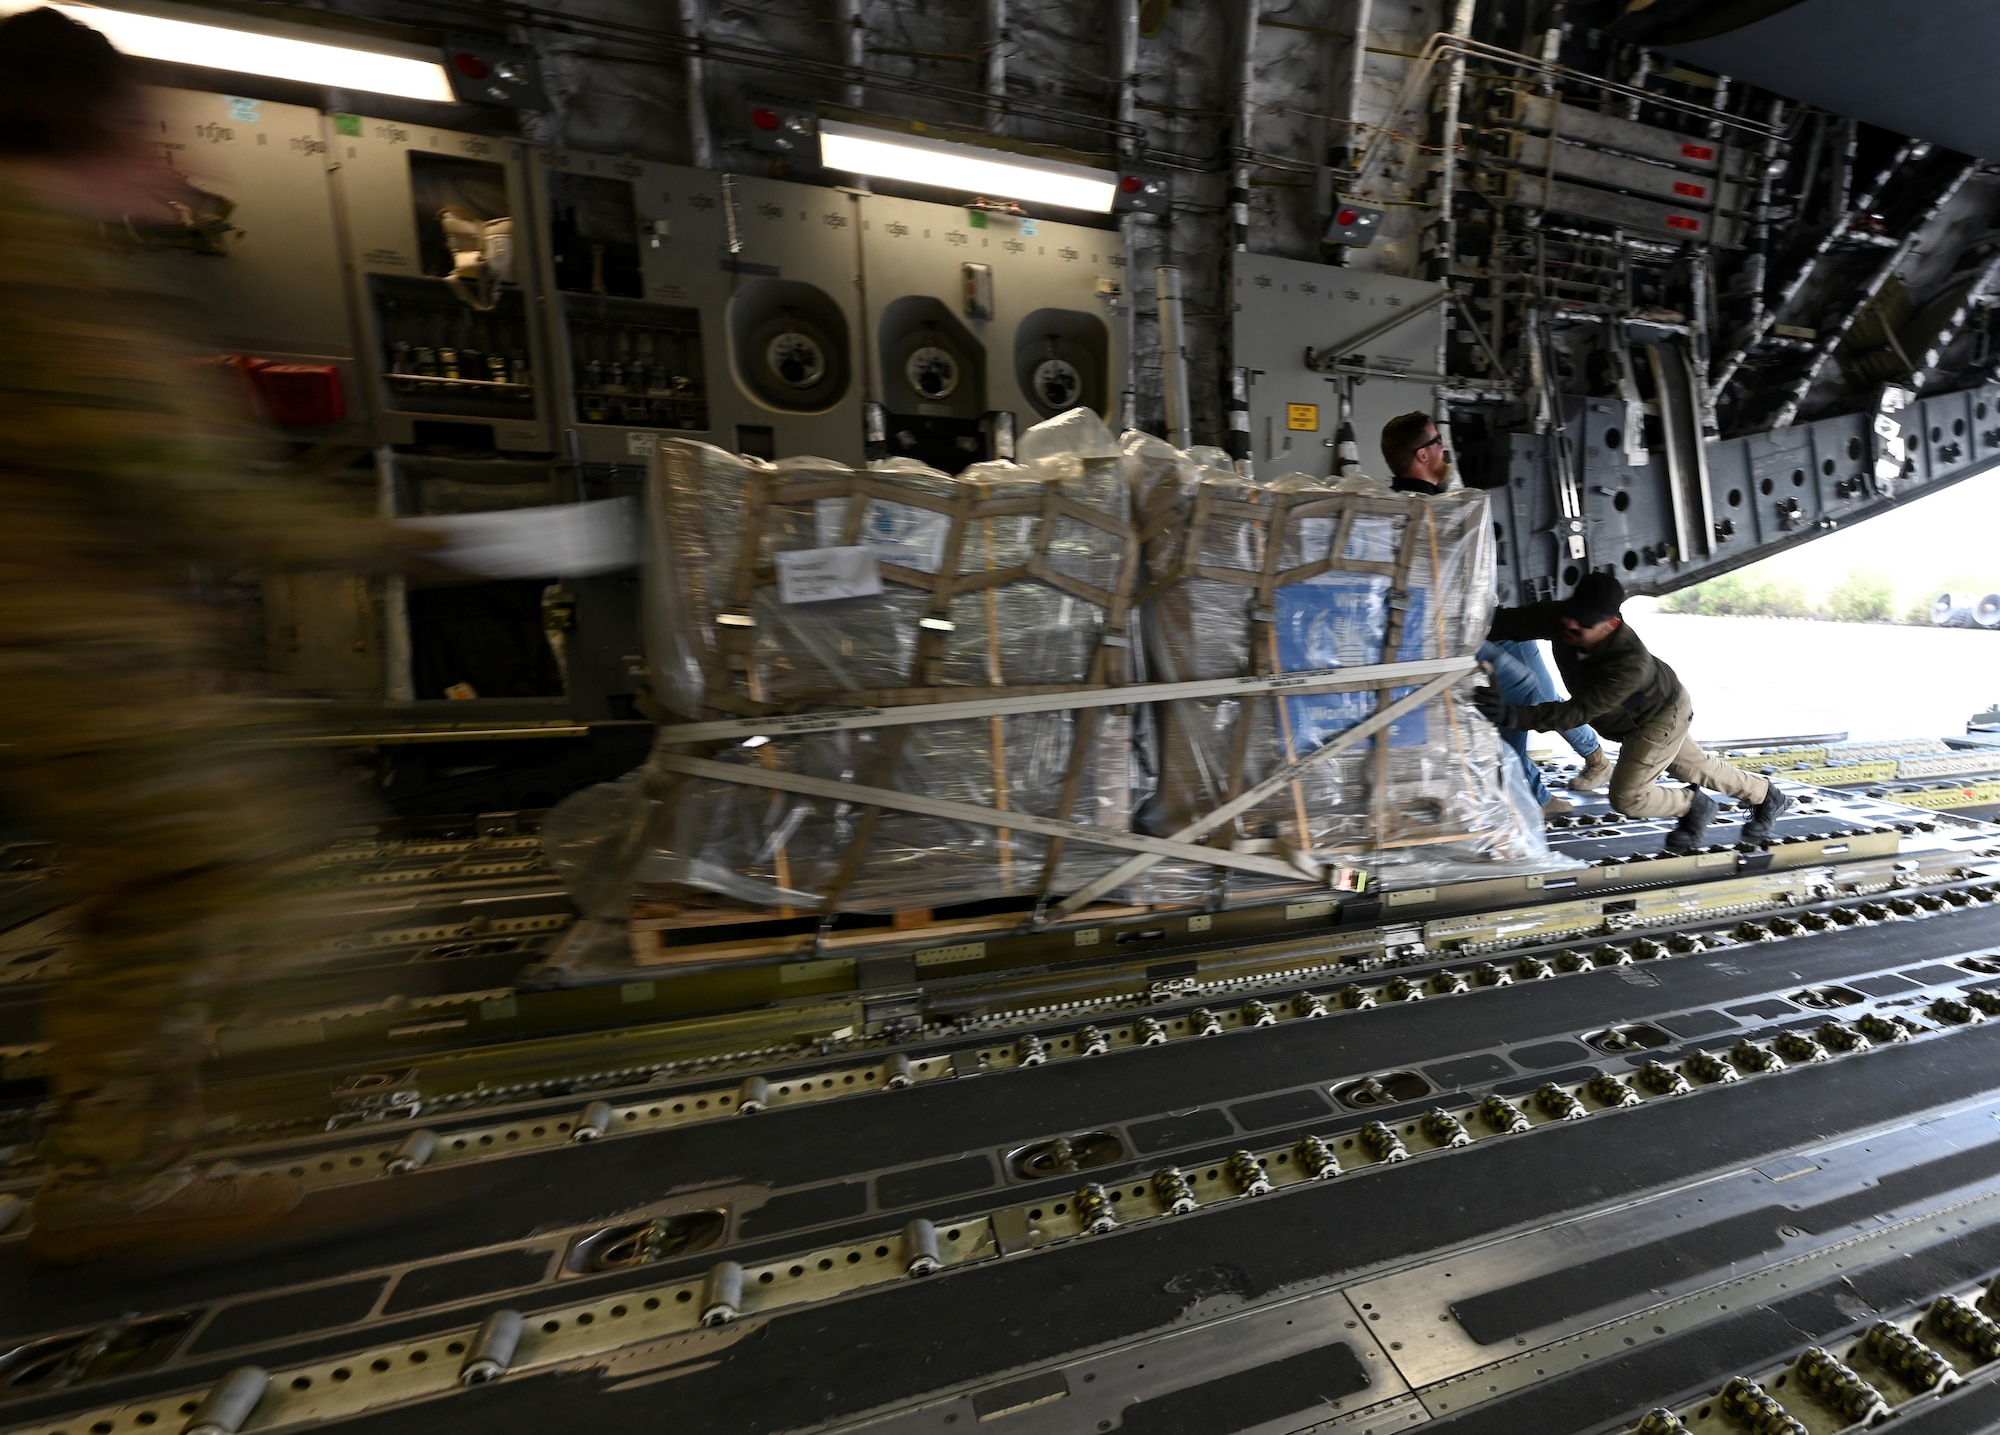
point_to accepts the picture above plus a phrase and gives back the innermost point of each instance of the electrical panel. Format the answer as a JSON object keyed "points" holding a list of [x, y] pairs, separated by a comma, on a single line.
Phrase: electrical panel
{"points": [[721, 309], [443, 255], [1381, 364], [984, 322], [260, 252]]}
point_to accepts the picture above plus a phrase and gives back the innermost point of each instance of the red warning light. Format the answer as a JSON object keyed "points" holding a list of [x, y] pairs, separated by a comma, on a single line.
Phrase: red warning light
{"points": [[469, 65], [765, 119], [1131, 184], [1345, 218]]}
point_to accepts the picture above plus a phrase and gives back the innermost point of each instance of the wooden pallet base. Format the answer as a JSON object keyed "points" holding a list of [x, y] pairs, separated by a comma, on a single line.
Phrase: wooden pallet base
{"points": [[666, 938], [681, 931]]}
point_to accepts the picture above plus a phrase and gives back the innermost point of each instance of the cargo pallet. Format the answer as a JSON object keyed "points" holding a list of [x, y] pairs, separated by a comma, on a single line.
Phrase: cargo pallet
{"points": [[658, 929]]}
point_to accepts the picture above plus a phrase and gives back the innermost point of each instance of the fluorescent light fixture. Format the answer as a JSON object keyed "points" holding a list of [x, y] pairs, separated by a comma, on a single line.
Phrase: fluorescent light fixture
{"points": [[248, 52], [965, 168]]}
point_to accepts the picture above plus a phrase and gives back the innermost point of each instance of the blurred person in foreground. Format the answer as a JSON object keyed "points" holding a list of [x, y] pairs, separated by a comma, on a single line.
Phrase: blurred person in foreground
{"points": [[126, 465]]}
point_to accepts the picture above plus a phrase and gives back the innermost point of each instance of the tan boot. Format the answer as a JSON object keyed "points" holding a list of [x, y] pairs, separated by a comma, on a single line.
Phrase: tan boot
{"points": [[176, 1211], [1556, 807], [1596, 774]]}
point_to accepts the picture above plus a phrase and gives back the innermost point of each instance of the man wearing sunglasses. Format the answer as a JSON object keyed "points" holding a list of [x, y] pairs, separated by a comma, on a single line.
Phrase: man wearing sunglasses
{"points": [[1626, 693], [1417, 459]]}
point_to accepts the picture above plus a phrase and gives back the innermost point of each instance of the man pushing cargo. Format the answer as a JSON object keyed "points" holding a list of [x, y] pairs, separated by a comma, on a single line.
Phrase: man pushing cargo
{"points": [[1627, 694]]}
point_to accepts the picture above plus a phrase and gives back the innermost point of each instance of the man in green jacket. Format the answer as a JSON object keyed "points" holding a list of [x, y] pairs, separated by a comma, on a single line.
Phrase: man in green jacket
{"points": [[1630, 696]]}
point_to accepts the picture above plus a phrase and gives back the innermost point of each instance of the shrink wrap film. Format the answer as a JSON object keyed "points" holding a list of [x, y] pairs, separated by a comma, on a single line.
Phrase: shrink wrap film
{"points": [[805, 585], [1247, 577]]}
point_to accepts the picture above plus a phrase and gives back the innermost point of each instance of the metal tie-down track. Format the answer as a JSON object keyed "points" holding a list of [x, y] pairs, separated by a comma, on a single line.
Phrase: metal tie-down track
{"points": [[1496, 1168]]}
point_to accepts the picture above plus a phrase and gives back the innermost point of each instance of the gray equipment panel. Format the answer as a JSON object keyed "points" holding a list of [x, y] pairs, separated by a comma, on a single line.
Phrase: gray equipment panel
{"points": [[391, 179], [1286, 306], [277, 293], [1012, 314], [712, 257], [809, 302]]}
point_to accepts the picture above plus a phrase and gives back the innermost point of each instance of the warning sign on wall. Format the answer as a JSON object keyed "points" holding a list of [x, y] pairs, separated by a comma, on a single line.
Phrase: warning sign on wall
{"points": [[1302, 417]]}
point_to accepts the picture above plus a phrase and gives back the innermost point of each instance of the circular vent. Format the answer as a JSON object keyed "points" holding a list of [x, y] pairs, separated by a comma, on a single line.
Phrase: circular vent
{"points": [[797, 360], [1057, 384], [932, 372]]}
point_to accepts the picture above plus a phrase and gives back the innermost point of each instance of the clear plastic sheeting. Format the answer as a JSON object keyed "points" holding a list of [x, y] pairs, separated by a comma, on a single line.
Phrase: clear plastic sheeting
{"points": [[1253, 578], [804, 585], [780, 588]]}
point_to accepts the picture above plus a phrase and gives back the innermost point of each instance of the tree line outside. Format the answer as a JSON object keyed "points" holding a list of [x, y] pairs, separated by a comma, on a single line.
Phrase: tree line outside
{"points": [[1864, 595]]}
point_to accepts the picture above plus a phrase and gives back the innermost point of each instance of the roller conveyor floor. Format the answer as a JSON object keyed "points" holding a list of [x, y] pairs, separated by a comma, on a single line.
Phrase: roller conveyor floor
{"points": [[1543, 1167]]}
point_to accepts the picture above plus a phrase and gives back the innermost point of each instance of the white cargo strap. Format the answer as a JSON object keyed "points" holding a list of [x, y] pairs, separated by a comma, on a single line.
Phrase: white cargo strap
{"points": [[1318, 680], [1150, 850], [1156, 848]]}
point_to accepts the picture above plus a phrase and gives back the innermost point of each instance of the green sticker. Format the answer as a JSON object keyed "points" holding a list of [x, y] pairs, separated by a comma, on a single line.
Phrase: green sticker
{"points": [[347, 124], [976, 217]]}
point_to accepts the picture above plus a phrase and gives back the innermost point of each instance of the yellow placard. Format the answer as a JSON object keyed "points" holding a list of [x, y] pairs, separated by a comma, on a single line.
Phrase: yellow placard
{"points": [[1302, 417]]}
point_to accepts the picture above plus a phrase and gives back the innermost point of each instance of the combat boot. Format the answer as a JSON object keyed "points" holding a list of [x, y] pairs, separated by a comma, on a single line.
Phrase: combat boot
{"points": [[1686, 835], [1557, 807], [1757, 831], [1596, 774], [180, 1210]]}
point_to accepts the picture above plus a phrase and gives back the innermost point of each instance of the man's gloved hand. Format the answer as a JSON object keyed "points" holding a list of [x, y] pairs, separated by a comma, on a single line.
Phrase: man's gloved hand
{"points": [[1490, 706]]}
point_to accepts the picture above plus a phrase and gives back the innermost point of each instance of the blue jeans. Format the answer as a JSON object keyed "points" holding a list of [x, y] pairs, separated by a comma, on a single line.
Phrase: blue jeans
{"points": [[1523, 678]]}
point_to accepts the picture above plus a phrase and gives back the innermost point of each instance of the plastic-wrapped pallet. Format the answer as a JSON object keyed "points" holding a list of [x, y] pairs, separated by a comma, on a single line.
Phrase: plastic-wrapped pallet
{"points": [[804, 584], [1251, 578]]}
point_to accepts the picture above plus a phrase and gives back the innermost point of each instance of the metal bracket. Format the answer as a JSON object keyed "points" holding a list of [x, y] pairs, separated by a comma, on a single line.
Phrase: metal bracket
{"points": [[894, 1014], [372, 1096]]}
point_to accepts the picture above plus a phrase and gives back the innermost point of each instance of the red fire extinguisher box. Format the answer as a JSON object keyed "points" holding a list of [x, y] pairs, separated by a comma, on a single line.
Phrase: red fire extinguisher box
{"points": [[297, 395]]}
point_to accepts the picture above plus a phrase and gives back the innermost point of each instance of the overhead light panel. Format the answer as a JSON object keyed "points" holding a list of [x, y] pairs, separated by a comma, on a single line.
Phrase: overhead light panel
{"points": [[251, 52], [968, 169]]}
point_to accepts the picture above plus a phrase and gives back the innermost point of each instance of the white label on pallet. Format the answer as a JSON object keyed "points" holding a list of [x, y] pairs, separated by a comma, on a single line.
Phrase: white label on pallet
{"points": [[815, 575], [945, 956]]}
